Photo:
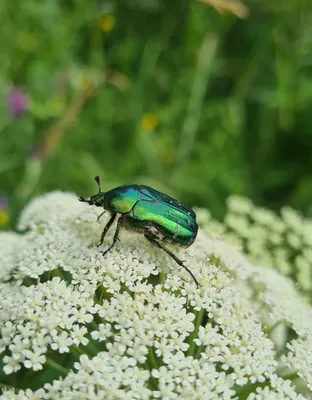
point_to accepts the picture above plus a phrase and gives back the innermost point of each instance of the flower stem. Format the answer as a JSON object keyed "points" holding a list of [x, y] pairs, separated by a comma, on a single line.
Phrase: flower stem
{"points": [[290, 377], [93, 349], [57, 367], [151, 358], [77, 350], [193, 335], [161, 278], [198, 351], [270, 329], [244, 391]]}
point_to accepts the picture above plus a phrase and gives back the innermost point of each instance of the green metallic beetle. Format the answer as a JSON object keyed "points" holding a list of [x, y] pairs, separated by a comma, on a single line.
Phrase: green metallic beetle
{"points": [[158, 217]]}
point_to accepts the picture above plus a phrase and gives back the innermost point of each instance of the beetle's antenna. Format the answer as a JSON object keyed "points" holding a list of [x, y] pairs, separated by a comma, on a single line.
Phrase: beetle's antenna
{"points": [[97, 180]]}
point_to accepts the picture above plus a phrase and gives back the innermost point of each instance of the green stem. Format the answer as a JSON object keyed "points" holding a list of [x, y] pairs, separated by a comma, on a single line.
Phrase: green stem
{"points": [[194, 334], [58, 273], [153, 383], [93, 349], [77, 350], [244, 391], [199, 350], [290, 377], [151, 358], [94, 325], [57, 367], [161, 278], [28, 281], [270, 329]]}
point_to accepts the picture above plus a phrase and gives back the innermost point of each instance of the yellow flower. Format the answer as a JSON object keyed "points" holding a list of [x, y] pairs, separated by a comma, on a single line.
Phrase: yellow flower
{"points": [[106, 22], [4, 218], [149, 121], [87, 83], [83, 79]]}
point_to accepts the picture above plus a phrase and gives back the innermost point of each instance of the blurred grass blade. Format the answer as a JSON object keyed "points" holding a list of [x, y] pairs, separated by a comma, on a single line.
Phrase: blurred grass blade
{"points": [[55, 133], [206, 57], [234, 6], [32, 173]]}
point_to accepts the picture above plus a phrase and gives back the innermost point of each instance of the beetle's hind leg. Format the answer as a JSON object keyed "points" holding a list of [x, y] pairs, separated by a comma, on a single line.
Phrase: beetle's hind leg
{"points": [[107, 226], [158, 244], [119, 223]]}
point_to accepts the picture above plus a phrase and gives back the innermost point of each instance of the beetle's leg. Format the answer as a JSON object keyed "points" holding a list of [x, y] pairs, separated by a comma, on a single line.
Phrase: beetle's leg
{"points": [[158, 244], [98, 218], [176, 231], [107, 226], [120, 220]]}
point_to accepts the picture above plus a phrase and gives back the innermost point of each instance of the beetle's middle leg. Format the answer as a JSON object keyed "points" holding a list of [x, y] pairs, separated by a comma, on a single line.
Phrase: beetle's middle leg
{"points": [[98, 218], [119, 224], [158, 244], [107, 226]]}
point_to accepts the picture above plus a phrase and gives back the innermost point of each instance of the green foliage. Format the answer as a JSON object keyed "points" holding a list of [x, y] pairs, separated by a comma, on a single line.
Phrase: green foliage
{"points": [[171, 94]]}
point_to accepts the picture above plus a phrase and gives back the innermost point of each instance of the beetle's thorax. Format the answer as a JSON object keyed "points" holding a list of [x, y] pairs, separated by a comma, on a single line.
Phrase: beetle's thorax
{"points": [[98, 200], [121, 199]]}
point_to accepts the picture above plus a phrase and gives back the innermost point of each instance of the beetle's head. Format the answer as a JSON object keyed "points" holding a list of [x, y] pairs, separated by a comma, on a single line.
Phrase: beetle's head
{"points": [[96, 200]]}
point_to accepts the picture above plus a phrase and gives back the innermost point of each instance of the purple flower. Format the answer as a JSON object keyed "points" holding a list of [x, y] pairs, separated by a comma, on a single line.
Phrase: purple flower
{"points": [[17, 102]]}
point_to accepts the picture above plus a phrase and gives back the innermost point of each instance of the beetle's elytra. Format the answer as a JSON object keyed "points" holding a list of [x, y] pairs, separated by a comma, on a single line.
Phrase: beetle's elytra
{"points": [[158, 217]]}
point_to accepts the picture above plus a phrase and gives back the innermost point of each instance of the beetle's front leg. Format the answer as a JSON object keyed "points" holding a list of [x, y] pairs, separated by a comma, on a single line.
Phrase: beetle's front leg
{"points": [[158, 244], [119, 223], [107, 226], [98, 218]]}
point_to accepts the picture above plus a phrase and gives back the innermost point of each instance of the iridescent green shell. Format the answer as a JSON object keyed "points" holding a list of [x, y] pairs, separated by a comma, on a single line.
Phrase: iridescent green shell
{"points": [[154, 212]]}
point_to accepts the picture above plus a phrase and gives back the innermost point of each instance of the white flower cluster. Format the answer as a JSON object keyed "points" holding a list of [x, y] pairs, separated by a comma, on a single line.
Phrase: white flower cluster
{"points": [[133, 324], [283, 242]]}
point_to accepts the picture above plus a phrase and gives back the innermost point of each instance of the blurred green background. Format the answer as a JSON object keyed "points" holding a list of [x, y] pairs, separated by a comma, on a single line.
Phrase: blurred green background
{"points": [[197, 99]]}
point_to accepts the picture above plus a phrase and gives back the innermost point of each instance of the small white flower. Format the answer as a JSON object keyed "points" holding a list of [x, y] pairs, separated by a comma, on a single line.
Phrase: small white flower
{"points": [[34, 360], [103, 333], [78, 335], [294, 240], [292, 219], [61, 342], [239, 205], [12, 364]]}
